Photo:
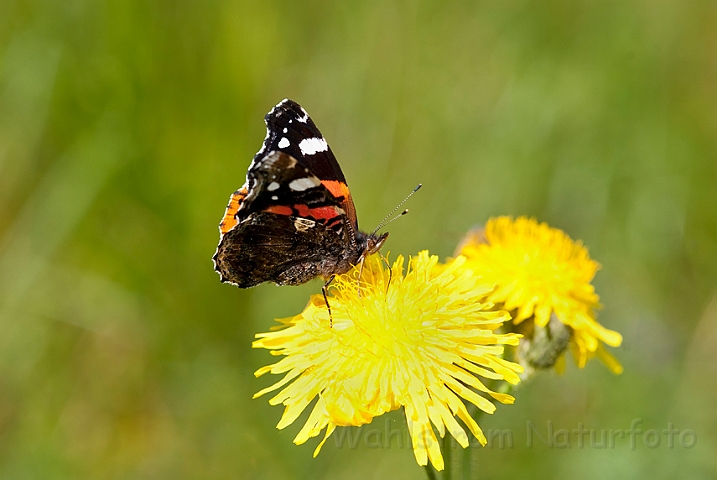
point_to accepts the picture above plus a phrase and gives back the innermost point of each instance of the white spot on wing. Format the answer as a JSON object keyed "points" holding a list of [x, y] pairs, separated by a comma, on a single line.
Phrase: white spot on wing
{"points": [[286, 129], [272, 186], [301, 184], [310, 146], [274, 197], [305, 117], [284, 142]]}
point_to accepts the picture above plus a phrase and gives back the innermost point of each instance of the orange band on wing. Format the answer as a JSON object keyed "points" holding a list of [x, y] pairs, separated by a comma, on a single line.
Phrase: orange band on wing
{"points": [[229, 221], [280, 210], [301, 210], [337, 188], [324, 213], [340, 189]]}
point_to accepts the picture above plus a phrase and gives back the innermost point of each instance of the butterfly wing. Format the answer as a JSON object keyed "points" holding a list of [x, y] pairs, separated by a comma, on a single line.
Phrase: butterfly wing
{"points": [[288, 227], [296, 188], [291, 130], [269, 247]]}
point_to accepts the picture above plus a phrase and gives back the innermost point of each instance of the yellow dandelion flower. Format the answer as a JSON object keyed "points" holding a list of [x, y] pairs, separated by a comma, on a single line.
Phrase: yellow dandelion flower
{"points": [[540, 272], [417, 340]]}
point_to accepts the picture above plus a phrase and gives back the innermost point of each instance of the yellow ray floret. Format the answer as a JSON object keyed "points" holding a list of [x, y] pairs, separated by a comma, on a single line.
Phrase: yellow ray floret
{"points": [[417, 340]]}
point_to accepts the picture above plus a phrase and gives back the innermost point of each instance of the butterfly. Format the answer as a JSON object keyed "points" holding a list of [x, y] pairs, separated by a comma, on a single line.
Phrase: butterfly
{"points": [[293, 219]]}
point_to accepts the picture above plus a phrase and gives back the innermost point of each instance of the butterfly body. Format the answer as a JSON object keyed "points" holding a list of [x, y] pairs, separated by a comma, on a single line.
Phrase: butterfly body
{"points": [[294, 218]]}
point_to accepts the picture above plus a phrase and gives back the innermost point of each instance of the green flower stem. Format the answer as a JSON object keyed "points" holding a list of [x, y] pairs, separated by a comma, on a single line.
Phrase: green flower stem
{"points": [[447, 448], [467, 458], [446, 451], [467, 463], [473, 411]]}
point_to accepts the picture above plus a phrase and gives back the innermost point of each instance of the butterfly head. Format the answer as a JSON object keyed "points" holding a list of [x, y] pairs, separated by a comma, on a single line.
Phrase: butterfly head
{"points": [[368, 244], [374, 243]]}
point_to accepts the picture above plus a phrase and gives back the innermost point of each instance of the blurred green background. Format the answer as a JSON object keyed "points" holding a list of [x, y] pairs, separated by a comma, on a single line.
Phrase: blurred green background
{"points": [[125, 126]]}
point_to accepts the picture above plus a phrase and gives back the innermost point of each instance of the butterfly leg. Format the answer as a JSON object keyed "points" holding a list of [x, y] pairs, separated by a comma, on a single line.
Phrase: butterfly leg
{"points": [[390, 271], [358, 279], [324, 289]]}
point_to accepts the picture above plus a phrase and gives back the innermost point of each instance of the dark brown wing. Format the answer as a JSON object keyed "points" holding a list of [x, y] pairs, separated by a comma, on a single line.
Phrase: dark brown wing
{"points": [[294, 218], [286, 250], [288, 228]]}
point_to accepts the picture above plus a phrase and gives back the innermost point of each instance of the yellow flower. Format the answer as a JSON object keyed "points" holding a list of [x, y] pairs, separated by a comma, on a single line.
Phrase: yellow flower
{"points": [[539, 272], [417, 340]]}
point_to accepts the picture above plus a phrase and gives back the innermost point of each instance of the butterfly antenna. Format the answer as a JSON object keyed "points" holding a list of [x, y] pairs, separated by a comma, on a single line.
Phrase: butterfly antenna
{"points": [[386, 220]]}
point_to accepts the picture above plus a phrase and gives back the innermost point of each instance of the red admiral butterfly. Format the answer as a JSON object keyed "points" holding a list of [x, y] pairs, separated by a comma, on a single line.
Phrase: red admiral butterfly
{"points": [[294, 219]]}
